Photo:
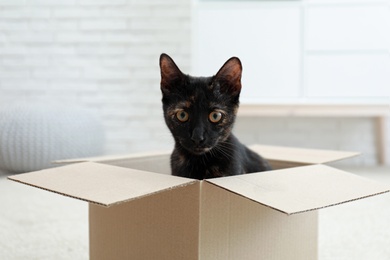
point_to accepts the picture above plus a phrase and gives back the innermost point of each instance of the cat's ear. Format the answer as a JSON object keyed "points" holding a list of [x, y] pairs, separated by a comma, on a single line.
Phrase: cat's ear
{"points": [[229, 76], [171, 75]]}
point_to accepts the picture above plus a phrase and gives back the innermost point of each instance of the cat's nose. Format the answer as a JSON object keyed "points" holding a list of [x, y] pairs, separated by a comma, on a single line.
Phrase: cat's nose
{"points": [[198, 136]]}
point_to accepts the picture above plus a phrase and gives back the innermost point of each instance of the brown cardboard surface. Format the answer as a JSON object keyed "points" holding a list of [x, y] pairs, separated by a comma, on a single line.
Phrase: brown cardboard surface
{"points": [[108, 158], [238, 217], [279, 158], [301, 189], [291, 190], [162, 226], [153, 162], [233, 227], [300, 155], [99, 183]]}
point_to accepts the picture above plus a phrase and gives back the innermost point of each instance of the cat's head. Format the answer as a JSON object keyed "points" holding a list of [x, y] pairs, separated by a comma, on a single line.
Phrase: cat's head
{"points": [[200, 111]]}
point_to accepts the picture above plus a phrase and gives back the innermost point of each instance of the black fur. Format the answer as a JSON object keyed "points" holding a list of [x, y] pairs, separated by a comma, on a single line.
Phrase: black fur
{"points": [[200, 113]]}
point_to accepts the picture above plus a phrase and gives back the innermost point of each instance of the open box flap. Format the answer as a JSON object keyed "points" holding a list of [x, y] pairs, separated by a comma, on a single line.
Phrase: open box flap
{"points": [[109, 158], [300, 155], [301, 189], [275, 153], [99, 183]]}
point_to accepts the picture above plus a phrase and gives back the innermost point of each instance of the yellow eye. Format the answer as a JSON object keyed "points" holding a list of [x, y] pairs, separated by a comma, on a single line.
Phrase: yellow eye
{"points": [[182, 116], [215, 116]]}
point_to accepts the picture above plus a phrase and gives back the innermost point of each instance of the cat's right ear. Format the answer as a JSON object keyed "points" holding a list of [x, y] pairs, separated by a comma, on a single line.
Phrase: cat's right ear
{"points": [[229, 75], [171, 75]]}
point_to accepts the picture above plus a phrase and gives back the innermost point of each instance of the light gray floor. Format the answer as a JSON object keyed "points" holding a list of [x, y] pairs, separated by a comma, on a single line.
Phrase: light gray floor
{"points": [[358, 230], [35, 224]]}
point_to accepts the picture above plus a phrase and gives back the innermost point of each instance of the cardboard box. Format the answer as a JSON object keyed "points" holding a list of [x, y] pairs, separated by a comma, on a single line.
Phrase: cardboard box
{"points": [[135, 212]]}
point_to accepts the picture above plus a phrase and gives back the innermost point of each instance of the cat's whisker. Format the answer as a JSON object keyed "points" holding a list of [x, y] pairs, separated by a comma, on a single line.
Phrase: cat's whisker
{"points": [[223, 152], [227, 148]]}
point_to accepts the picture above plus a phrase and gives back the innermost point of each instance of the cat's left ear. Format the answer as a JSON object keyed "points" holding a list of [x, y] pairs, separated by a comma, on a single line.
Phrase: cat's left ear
{"points": [[229, 75]]}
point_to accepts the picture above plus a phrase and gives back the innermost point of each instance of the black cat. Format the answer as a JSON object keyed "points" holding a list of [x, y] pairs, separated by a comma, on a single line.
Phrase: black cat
{"points": [[200, 113]]}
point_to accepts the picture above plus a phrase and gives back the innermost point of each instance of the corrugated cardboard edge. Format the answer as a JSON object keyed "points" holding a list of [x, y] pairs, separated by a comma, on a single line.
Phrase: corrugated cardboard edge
{"points": [[375, 188], [102, 204], [37, 184], [302, 156], [302, 211], [344, 202]]}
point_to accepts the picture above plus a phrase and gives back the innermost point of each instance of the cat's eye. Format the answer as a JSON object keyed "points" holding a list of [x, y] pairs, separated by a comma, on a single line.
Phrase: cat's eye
{"points": [[215, 116], [182, 116]]}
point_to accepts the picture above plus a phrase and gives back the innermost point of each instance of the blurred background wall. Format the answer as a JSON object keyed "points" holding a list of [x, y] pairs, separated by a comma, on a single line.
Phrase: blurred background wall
{"points": [[103, 55]]}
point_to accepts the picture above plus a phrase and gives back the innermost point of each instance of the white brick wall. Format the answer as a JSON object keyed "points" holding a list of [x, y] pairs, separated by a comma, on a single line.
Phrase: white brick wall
{"points": [[103, 54], [100, 54]]}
